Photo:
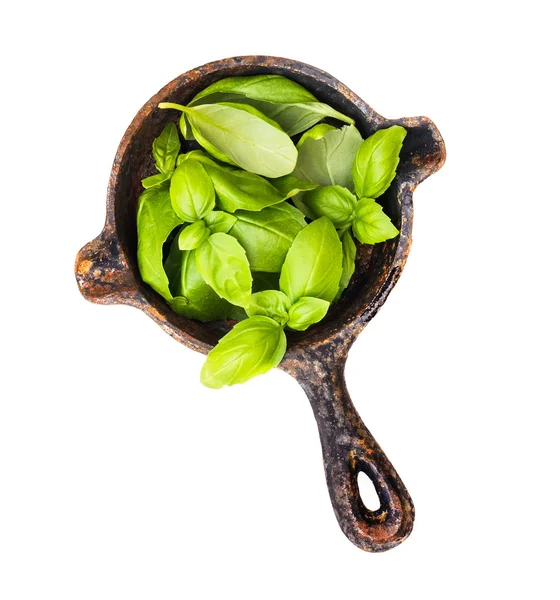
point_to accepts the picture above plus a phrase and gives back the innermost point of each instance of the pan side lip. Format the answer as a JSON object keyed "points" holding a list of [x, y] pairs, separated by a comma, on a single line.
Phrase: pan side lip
{"points": [[239, 63]]}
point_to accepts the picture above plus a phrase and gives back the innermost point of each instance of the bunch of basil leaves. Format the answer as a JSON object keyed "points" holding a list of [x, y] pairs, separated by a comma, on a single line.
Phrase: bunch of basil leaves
{"points": [[259, 229]]}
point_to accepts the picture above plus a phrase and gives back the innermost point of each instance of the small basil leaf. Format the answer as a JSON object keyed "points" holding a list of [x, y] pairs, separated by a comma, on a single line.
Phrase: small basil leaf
{"points": [[270, 303], [193, 235], [193, 297], [335, 202], [376, 161], [185, 128], [239, 190], [328, 160], [156, 219], [348, 261], [201, 157], [251, 348], [267, 235], [219, 222], [156, 180], [192, 192], [289, 186], [371, 224], [315, 133], [271, 88], [165, 148], [263, 281], [313, 265], [306, 312], [223, 264], [246, 139]]}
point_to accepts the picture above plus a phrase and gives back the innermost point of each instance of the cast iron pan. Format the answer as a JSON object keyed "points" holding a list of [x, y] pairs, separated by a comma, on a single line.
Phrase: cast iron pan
{"points": [[107, 273]]}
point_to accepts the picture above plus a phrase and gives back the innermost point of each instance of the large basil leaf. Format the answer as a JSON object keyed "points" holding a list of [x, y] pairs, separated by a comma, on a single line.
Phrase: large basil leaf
{"points": [[155, 220], [270, 303], [313, 265], [219, 222], [376, 161], [165, 148], [371, 224], [251, 348], [328, 160], [193, 297], [246, 139], [192, 192], [288, 103], [348, 261], [223, 264], [333, 201], [193, 235], [267, 235], [241, 190], [306, 312]]}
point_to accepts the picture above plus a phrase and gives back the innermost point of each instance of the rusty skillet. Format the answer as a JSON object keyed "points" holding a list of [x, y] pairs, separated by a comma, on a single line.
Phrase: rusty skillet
{"points": [[107, 273]]}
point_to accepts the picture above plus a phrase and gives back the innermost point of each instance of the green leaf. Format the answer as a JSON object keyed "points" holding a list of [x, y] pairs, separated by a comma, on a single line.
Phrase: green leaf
{"points": [[267, 235], [219, 222], [212, 150], [202, 157], [239, 190], [376, 161], [165, 148], [192, 192], [335, 202], [223, 264], [315, 133], [251, 348], [270, 303], [246, 139], [313, 265], [371, 224], [263, 281], [289, 186], [185, 128], [328, 160], [193, 235], [348, 261], [306, 312], [155, 219], [156, 180], [193, 297]]}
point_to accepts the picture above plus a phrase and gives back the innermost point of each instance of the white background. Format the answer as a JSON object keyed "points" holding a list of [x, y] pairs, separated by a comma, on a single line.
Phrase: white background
{"points": [[122, 477]]}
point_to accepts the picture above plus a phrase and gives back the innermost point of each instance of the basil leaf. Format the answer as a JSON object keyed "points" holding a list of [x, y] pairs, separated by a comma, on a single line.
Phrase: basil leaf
{"points": [[335, 202], [241, 190], [165, 148], [263, 281], [155, 180], [248, 108], [306, 312], [201, 157], [313, 265], [192, 192], [185, 128], [270, 303], [371, 224], [246, 139], [328, 160], [376, 161], [193, 297], [219, 222], [223, 264], [271, 88], [267, 235], [193, 235], [299, 203], [251, 348], [289, 186], [348, 261], [212, 150], [315, 133], [155, 220]]}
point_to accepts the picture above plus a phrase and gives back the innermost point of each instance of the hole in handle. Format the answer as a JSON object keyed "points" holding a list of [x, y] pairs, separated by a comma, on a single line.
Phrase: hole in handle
{"points": [[368, 493]]}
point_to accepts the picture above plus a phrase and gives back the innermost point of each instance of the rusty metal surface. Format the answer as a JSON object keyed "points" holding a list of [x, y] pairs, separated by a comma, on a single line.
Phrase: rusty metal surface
{"points": [[107, 273]]}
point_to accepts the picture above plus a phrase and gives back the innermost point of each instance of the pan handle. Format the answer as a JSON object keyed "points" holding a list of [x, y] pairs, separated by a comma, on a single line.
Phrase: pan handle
{"points": [[348, 449]]}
